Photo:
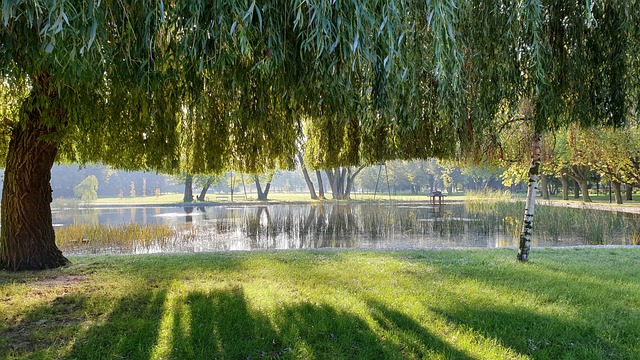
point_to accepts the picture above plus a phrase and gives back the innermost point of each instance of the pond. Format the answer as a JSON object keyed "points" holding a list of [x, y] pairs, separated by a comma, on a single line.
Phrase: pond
{"points": [[333, 225]]}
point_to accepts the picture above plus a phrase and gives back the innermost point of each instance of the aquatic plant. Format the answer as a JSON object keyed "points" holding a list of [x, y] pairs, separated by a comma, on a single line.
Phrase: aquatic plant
{"points": [[119, 238]]}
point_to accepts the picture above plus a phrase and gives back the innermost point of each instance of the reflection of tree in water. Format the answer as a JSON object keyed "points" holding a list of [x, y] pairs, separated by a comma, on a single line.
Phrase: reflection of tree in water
{"points": [[342, 225], [340, 228], [313, 226], [188, 217], [259, 229], [73, 216]]}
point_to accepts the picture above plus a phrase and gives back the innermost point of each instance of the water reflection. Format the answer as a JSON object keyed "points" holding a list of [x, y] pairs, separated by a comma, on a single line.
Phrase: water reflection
{"points": [[188, 210], [332, 225]]}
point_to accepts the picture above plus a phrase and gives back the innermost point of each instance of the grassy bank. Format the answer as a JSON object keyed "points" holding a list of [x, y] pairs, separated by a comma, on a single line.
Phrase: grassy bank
{"points": [[566, 303], [297, 197]]}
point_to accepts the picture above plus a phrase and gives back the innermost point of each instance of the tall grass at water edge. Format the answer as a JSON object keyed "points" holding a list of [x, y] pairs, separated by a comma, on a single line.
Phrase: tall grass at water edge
{"points": [[100, 237], [596, 227]]}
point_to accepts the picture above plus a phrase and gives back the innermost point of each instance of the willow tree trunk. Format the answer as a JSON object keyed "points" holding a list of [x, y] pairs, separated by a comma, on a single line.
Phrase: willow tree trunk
{"points": [[351, 180], [544, 186], [342, 180], [262, 194], [27, 239], [320, 184], [336, 177], [307, 179], [532, 188], [629, 192], [205, 188], [188, 188]]}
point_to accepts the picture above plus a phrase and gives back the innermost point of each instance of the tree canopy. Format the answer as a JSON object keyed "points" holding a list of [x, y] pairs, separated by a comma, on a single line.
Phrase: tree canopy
{"points": [[155, 85]]}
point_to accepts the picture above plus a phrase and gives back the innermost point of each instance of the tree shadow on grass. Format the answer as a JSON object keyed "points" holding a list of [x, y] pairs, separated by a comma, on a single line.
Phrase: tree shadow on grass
{"points": [[323, 332], [163, 268], [129, 332], [567, 314], [222, 325], [219, 324], [533, 334], [409, 338], [42, 327]]}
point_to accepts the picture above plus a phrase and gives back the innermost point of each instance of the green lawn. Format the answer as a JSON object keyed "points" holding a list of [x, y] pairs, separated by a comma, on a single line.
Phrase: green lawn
{"points": [[472, 304], [174, 198]]}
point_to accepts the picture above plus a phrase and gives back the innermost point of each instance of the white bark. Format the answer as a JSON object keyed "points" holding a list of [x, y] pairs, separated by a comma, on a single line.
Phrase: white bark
{"points": [[532, 188]]}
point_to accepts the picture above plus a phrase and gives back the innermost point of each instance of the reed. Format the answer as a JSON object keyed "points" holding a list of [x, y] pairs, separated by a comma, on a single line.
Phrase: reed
{"points": [[552, 224], [129, 237]]}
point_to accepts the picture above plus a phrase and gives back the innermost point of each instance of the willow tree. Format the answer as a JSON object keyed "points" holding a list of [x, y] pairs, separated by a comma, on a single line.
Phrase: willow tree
{"points": [[80, 71], [388, 104], [173, 86]]}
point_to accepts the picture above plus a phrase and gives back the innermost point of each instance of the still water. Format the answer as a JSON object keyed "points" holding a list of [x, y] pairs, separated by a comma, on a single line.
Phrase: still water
{"points": [[336, 225]]}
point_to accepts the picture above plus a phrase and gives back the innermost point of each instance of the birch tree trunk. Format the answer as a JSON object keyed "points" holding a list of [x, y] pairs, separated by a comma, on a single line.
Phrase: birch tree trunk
{"points": [[532, 188]]}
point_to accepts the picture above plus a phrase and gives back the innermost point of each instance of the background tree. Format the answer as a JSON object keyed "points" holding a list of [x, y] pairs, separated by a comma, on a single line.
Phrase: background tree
{"points": [[205, 182], [307, 178], [87, 189], [263, 192], [188, 188]]}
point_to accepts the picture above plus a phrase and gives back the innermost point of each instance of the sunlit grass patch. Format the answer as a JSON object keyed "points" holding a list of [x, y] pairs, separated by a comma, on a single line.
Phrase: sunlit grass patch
{"points": [[565, 303]]}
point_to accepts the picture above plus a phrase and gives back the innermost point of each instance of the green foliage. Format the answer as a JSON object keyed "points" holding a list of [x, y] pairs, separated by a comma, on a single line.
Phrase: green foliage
{"points": [[188, 86], [515, 174], [87, 189], [12, 94]]}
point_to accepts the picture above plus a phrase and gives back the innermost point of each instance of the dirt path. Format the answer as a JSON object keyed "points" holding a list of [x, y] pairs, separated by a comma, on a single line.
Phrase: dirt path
{"points": [[631, 208]]}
